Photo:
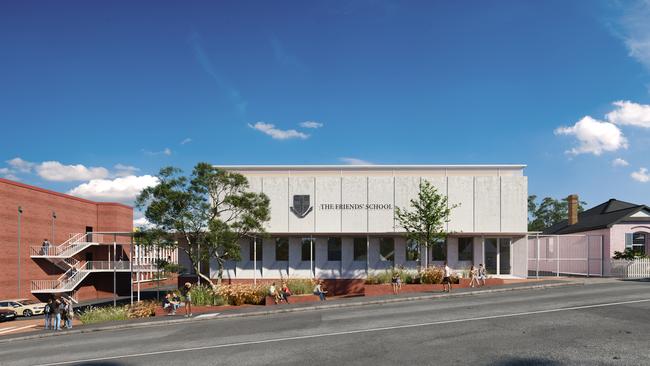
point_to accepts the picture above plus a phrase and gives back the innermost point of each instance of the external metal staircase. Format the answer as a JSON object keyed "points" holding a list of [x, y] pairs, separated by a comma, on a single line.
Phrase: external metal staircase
{"points": [[76, 271]]}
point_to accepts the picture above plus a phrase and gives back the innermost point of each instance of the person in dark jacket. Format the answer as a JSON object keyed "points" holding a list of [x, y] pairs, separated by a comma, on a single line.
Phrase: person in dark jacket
{"points": [[47, 313]]}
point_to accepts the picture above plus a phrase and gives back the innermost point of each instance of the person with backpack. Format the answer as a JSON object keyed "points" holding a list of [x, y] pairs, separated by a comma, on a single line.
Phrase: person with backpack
{"points": [[47, 313]]}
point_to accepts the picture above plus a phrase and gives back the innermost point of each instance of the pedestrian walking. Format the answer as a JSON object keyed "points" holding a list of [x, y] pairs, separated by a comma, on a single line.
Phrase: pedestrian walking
{"points": [[185, 291], [47, 313], [446, 279], [473, 273], [481, 275]]}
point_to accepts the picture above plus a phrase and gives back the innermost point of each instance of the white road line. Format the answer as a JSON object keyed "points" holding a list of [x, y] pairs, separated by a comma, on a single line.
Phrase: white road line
{"points": [[5, 329], [370, 330], [203, 316], [14, 329]]}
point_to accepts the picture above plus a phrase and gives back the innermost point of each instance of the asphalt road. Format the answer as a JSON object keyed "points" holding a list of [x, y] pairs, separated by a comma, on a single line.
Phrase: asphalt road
{"points": [[605, 323]]}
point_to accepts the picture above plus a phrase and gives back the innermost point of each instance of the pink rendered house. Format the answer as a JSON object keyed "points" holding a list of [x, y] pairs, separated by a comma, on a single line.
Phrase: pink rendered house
{"points": [[621, 224]]}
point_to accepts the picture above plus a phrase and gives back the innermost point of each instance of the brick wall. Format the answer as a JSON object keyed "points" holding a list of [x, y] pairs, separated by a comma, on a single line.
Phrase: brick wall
{"points": [[73, 215]]}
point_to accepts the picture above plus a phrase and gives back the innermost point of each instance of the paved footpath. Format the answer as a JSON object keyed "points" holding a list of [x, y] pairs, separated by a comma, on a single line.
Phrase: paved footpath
{"points": [[600, 323]]}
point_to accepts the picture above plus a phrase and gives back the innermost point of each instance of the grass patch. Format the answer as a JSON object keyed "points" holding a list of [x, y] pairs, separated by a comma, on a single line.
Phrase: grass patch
{"points": [[94, 315]]}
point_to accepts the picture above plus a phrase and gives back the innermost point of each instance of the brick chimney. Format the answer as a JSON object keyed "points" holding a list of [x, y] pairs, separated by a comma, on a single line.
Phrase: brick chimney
{"points": [[573, 209]]}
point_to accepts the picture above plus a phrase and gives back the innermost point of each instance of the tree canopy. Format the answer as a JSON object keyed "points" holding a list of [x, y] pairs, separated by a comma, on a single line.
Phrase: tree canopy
{"points": [[549, 212], [210, 211], [424, 221]]}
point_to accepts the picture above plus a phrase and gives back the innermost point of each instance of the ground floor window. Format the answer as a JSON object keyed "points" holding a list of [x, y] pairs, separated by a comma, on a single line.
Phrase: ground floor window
{"points": [[439, 250], [636, 242], [412, 250], [465, 249], [281, 249], [360, 249], [308, 249], [252, 248], [334, 249], [387, 249]]}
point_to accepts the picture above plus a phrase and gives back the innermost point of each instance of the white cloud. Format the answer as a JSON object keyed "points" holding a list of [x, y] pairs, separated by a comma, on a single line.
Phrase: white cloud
{"points": [[166, 151], [124, 189], [641, 175], [594, 137], [636, 30], [122, 170], [277, 134], [55, 171], [186, 140], [630, 113], [21, 165], [620, 162], [311, 124], [355, 161], [8, 174], [142, 222]]}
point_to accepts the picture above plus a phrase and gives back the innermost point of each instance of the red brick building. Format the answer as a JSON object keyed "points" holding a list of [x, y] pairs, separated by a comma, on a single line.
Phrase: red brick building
{"points": [[81, 261]]}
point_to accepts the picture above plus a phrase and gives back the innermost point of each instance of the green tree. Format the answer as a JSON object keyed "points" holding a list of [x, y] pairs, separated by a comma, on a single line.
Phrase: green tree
{"points": [[425, 222], [211, 211], [548, 212]]}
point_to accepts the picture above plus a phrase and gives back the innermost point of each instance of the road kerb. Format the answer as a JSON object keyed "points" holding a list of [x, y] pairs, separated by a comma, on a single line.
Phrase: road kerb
{"points": [[290, 310]]}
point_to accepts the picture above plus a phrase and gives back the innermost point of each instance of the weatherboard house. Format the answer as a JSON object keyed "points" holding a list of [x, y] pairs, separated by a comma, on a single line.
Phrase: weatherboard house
{"points": [[621, 225], [338, 221]]}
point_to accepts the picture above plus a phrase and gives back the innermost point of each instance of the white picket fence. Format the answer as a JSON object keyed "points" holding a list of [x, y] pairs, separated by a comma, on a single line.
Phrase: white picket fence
{"points": [[635, 268]]}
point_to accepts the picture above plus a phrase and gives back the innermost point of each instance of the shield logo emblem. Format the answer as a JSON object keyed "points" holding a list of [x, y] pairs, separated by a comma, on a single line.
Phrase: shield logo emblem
{"points": [[301, 205]]}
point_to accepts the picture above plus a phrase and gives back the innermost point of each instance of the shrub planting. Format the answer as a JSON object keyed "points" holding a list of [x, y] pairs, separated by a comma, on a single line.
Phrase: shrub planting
{"points": [[242, 294], [94, 315]]}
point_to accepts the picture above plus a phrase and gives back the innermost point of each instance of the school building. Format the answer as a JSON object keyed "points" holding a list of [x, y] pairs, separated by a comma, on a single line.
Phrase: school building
{"points": [[338, 221]]}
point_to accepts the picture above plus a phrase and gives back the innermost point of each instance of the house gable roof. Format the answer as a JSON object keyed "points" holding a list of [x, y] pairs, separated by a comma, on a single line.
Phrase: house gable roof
{"points": [[599, 217]]}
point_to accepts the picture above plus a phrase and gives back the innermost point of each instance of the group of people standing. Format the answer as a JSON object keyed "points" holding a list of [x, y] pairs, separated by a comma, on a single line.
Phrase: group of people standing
{"points": [[58, 312]]}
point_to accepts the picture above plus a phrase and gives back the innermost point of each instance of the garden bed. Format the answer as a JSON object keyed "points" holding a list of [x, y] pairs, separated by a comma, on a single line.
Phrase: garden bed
{"points": [[387, 288]]}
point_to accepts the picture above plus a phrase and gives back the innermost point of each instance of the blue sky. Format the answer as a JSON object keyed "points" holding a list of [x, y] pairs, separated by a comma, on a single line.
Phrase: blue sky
{"points": [[94, 97]]}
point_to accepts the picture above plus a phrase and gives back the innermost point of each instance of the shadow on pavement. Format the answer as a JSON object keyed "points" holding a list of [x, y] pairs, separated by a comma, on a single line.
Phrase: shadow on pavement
{"points": [[527, 361]]}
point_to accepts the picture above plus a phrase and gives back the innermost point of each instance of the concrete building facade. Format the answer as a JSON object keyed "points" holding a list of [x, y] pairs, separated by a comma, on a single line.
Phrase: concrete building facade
{"points": [[338, 222]]}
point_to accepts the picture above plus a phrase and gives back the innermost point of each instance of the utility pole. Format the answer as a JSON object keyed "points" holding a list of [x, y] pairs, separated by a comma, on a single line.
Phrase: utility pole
{"points": [[20, 213]]}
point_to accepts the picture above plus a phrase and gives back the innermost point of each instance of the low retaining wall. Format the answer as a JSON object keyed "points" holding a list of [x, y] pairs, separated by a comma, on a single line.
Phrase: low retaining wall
{"points": [[387, 289], [293, 299]]}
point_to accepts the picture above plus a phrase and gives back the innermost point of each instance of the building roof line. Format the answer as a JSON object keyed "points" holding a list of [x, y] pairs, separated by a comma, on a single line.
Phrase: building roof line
{"points": [[372, 167], [48, 191]]}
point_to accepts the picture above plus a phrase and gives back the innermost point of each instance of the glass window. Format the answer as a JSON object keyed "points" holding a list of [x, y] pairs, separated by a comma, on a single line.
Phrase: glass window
{"points": [[412, 250], [334, 249], [638, 244], [281, 249], [465, 249], [307, 245], [439, 250], [387, 249], [251, 251], [360, 249]]}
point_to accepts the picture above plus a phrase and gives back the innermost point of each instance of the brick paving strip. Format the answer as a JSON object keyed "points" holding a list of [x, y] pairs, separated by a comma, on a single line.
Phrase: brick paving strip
{"points": [[237, 312]]}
